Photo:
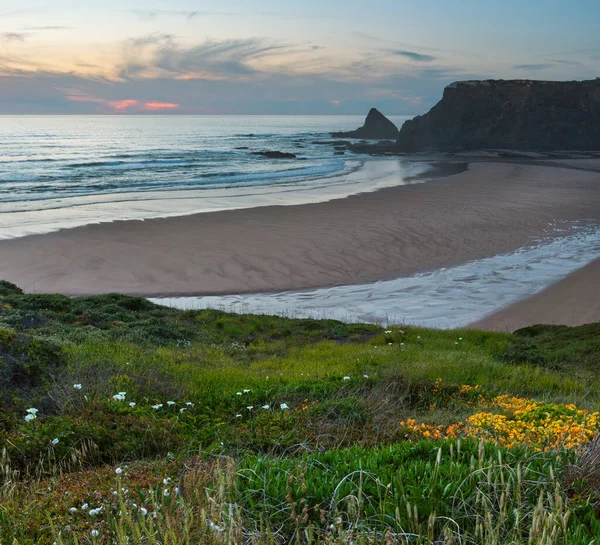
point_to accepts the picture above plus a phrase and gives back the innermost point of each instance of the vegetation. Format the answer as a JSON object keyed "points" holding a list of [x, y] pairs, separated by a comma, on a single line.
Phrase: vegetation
{"points": [[126, 422]]}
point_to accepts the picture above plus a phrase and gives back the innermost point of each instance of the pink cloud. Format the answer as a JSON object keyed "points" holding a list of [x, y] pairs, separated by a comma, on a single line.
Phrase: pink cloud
{"points": [[125, 105], [121, 105], [160, 106]]}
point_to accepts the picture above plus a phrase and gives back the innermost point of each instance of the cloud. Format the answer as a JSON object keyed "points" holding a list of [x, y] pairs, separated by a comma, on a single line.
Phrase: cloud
{"points": [[150, 39], [160, 55], [563, 61], [413, 56], [539, 66], [161, 106], [127, 105], [13, 37], [50, 27], [149, 15]]}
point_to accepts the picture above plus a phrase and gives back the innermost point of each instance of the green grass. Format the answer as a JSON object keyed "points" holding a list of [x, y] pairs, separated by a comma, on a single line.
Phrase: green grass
{"points": [[334, 466]]}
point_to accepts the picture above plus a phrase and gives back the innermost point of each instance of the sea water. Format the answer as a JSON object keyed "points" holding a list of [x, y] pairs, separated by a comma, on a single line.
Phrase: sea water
{"points": [[65, 171]]}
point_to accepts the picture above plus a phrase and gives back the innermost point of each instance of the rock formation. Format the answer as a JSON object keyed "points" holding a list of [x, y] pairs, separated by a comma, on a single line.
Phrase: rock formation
{"points": [[509, 114], [376, 126], [275, 154]]}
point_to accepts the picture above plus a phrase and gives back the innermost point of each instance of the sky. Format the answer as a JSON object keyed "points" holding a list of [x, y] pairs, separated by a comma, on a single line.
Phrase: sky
{"points": [[280, 56]]}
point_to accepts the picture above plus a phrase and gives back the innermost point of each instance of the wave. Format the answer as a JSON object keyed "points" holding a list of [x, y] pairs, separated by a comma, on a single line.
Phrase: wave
{"points": [[131, 164], [211, 180]]}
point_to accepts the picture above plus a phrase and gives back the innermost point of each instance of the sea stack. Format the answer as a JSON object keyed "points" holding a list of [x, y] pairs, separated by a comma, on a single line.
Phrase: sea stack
{"points": [[376, 127], [509, 114]]}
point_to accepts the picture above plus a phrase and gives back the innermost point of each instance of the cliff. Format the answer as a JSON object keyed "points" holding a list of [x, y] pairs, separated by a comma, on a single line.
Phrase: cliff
{"points": [[376, 126], [509, 114]]}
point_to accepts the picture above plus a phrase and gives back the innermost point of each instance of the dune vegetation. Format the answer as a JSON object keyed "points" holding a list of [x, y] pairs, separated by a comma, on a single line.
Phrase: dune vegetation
{"points": [[123, 422]]}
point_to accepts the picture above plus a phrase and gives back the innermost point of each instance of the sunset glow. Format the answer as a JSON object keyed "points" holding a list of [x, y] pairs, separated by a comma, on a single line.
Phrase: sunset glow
{"points": [[161, 106], [122, 104]]}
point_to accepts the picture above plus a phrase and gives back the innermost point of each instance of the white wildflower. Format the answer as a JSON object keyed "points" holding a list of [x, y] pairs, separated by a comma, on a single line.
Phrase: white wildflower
{"points": [[346, 377], [170, 403], [157, 406], [54, 441], [118, 471], [30, 417], [132, 403], [284, 406], [143, 511], [77, 386], [94, 533], [32, 411], [266, 406]]}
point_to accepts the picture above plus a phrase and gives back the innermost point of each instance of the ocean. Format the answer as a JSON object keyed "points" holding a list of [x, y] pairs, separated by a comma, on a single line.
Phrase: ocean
{"points": [[64, 171]]}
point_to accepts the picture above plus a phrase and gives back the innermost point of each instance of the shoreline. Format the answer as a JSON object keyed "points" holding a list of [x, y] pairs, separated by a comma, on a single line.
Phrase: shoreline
{"points": [[447, 298], [572, 301], [489, 209]]}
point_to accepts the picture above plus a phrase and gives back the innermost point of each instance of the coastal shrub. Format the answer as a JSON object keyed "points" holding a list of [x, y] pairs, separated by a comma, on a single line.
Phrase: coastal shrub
{"points": [[8, 288], [26, 363], [347, 411], [106, 435], [560, 347]]}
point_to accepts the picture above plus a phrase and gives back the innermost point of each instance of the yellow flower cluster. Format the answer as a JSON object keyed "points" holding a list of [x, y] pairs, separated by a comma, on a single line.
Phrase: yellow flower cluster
{"points": [[542, 426], [520, 421], [424, 430]]}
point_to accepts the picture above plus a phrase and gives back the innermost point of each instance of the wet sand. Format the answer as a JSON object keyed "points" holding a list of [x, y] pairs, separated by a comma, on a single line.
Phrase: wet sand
{"points": [[491, 208], [575, 300]]}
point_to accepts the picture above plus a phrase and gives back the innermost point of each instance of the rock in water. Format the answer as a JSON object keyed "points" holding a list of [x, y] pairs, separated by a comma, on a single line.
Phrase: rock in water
{"points": [[275, 154], [376, 126], [509, 114]]}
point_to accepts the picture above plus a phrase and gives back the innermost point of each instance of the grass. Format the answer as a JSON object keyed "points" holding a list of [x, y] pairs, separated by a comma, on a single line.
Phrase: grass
{"points": [[258, 429]]}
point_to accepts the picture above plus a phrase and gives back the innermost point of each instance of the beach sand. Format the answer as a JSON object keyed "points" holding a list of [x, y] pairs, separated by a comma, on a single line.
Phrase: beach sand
{"points": [[490, 208], [575, 300]]}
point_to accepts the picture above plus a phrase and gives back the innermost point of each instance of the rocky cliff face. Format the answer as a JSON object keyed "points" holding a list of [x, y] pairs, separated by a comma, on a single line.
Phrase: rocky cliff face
{"points": [[376, 126], [509, 114]]}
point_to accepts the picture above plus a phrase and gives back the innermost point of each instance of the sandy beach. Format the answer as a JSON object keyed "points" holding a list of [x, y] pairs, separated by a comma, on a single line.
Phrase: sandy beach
{"points": [[488, 209], [572, 301]]}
